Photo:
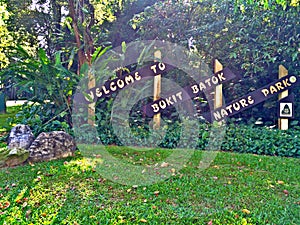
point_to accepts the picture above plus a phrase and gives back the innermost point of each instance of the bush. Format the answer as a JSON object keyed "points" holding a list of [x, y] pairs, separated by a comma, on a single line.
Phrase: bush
{"points": [[262, 141]]}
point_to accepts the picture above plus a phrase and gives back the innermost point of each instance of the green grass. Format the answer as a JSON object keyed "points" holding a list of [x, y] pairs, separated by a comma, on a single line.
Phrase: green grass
{"points": [[235, 189]]}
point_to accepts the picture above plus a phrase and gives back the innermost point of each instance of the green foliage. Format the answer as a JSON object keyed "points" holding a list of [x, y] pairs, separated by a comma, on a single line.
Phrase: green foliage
{"points": [[5, 36], [262, 141], [238, 137], [253, 43], [51, 86]]}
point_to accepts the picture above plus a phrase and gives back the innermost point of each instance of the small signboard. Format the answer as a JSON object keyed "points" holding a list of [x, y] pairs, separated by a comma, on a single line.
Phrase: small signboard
{"points": [[286, 107]]}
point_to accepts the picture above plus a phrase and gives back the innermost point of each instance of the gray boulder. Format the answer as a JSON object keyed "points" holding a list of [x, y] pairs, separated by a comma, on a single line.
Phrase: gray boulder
{"points": [[20, 136], [51, 145]]}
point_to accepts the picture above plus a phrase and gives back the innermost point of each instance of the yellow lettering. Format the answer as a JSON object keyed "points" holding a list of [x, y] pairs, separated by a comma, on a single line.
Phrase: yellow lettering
{"points": [[265, 92], [273, 89], [98, 92], [217, 115], [286, 83], [202, 86], [137, 76], [153, 68], [224, 113], [243, 103], [112, 86], [162, 104], [129, 79], [155, 107], [161, 66], [250, 100], [120, 83], [195, 89], [105, 90], [229, 108], [236, 106], [220, 76], [279, 86], [214, 80], [179, 95]]}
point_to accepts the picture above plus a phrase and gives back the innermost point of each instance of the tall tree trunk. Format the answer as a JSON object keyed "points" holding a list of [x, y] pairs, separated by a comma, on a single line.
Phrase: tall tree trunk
{"points": [[81, 54], [85, 46]]}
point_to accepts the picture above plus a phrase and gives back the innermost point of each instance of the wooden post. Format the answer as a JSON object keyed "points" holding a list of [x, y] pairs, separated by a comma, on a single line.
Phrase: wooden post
{"points": [[91, 107], [218, 102], [283, 123], [156, 91]]}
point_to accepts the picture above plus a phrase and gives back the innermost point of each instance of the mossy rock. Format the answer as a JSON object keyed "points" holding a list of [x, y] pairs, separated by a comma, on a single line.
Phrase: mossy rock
{"points": [[13, 157]]}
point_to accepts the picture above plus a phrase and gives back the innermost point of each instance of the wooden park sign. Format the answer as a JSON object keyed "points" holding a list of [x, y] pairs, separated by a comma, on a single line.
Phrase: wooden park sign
{"points": [[206, 85], [243, 103]]}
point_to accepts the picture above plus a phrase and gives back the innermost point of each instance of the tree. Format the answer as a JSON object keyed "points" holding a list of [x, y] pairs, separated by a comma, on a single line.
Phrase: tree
{"points": [[250, 37], [6, 39]]}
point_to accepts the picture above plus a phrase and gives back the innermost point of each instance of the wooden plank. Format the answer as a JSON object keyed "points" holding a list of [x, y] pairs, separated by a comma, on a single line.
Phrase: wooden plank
{"points": [[283, 123], [91, 107], [157, 91], [218, 102]]}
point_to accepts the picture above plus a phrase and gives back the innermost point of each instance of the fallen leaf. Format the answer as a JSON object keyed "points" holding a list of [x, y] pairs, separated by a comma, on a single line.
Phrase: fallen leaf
{"points": [[6, 205], [246, 211], [280, 182], [156, 193], [28, 212], [286, 192], [143, 221], [24, 204], [164, 164]]}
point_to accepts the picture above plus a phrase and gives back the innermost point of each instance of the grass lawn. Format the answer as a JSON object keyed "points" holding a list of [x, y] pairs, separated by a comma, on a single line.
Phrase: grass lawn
{"points": [[235, 189]]}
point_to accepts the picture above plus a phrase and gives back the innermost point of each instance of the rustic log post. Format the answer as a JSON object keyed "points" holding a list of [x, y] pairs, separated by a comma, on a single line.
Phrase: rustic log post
{"points": [[283, 123], [157, 91], [91, 107], [218, 100]]}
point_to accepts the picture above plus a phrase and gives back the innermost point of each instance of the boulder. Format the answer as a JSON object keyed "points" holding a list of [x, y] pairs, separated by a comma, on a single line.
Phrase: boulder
{"points": [[13, 157], [51, 145], [20, 136]]}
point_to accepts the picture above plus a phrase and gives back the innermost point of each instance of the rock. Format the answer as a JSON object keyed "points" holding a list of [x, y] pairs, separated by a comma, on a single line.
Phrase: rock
{"points": [[13, 157], [51, 145], [20, 136]]}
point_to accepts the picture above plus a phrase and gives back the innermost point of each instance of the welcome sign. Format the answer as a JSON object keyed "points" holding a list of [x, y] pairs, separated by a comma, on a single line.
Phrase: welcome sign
{"points": [[114, 85], [191, 91]]}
